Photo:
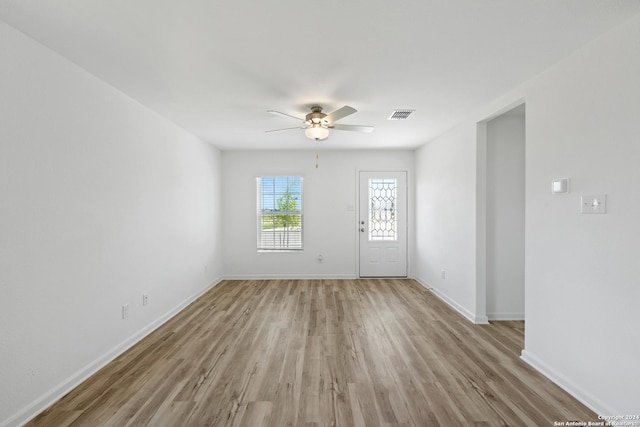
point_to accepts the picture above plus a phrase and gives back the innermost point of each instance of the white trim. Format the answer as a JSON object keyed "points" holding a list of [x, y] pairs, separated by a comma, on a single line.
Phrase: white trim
{"points": [[30, 411], [505, 316], [480, 304], [567, 385], [478, 320], [290, 276]]}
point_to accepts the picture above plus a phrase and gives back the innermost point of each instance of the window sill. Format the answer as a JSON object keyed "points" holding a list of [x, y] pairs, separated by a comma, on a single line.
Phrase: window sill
{"points": [[278, 250]]}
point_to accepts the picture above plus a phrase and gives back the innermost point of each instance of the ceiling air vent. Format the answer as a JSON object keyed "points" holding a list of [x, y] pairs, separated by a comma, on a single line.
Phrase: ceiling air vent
{"points": [[400, 114]]}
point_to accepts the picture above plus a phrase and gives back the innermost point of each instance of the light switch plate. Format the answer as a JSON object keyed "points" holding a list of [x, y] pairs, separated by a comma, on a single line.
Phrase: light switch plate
{"points": [[593, 204]]}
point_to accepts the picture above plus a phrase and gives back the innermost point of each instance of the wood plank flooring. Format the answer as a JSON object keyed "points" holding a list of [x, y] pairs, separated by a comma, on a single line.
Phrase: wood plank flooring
{"points": [[368, 352]]}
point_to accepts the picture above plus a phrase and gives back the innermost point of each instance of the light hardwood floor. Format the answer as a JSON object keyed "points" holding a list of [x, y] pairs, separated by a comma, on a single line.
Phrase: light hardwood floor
{"points": [[368, 352]]}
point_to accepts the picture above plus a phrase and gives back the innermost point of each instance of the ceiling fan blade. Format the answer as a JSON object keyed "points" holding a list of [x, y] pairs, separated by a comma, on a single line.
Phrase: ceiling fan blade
{"points": [[340, 113], [280, 130], [284, 114], [355, 128]]}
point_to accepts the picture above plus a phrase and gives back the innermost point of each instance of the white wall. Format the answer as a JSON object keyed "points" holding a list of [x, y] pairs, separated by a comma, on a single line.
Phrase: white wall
{"points": [[101, 200], [581, 271], [330, 207], [505, 206], [445, 186]]}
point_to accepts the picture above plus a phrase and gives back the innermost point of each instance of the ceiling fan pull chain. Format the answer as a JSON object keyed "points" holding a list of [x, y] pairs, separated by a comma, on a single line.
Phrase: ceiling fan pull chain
{"points": [[316, 160]]}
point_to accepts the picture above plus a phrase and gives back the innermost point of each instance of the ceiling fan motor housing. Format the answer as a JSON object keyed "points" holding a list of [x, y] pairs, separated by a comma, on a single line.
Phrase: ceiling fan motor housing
{"points": [[316, 115]]}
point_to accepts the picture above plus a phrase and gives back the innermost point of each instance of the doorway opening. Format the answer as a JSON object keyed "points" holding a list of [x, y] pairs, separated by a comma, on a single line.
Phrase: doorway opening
{"points": [[500, 217], [504, 215]]}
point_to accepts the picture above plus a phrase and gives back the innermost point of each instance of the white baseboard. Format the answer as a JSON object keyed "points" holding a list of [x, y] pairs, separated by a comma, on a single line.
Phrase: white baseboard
{"points": [[567, 385], [290, 277], [478, 320], [30, 411], [505, 316]]}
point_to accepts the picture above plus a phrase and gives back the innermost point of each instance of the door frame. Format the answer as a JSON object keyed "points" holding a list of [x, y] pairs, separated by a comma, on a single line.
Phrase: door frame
{"points": [[481, 212], [408, 222]]}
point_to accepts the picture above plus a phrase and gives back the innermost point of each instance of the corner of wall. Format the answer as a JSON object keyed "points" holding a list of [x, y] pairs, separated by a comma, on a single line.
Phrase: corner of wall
{"points": [[29, 412], [567, 385], [474, 318]]}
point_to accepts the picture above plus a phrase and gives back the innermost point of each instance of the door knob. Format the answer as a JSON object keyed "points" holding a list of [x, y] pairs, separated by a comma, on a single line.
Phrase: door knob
{"points": [[362, 230]]}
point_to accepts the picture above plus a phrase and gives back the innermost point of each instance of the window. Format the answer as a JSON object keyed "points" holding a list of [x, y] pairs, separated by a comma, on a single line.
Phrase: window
{"points": [[279, 213], [383, 222]]}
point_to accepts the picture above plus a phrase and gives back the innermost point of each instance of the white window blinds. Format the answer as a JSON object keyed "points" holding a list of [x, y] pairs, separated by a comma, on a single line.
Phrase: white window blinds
{"points": [[279, 213]]}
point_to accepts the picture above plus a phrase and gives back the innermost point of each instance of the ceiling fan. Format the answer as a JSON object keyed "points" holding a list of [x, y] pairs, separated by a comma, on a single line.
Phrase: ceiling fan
{"points": [[316, 124]]}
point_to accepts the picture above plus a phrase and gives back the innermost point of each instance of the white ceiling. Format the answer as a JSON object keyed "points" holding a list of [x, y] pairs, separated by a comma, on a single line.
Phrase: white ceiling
{"points": [[215, 67]]}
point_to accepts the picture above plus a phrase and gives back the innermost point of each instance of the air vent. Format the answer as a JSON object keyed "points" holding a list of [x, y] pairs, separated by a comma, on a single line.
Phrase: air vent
{"points": [[400, 114]]}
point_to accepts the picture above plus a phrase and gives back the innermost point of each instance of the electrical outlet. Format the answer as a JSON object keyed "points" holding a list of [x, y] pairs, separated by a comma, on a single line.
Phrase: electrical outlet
{"points": [[320, 259], [443, 273], [145, 299], [125, 311]]}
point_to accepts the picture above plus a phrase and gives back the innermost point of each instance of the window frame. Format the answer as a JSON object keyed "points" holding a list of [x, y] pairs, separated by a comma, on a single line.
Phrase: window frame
{"points": [[261, 212]]}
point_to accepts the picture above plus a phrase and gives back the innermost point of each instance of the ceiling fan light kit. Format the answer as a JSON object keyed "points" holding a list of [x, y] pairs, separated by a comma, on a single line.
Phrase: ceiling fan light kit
{"points": [[316, 124], [317, 132]]}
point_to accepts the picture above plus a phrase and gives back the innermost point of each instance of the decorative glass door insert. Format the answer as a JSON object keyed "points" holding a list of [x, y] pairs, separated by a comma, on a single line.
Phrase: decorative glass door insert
{"points": [[383, 202]]}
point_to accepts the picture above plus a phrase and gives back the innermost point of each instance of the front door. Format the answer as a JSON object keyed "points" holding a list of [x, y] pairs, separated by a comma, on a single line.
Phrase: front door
{"points": [[383, 224]]}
